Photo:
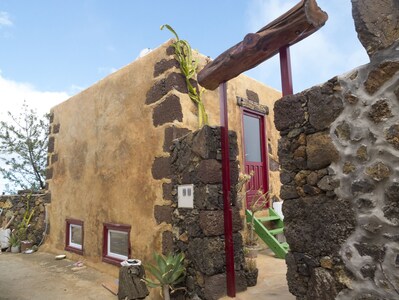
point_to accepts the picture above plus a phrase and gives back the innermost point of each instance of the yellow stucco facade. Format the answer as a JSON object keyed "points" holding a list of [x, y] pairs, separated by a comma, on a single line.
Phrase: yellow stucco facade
{"points": [[105, 146]]}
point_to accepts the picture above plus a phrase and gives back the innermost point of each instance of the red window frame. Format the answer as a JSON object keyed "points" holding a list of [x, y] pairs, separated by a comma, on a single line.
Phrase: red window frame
{"points": [[116, 227], [68, 247]]}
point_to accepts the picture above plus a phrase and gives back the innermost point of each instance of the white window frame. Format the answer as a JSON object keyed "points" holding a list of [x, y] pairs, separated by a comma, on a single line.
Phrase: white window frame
{"points": [[71, 244], [111, 257], [112, 254]]}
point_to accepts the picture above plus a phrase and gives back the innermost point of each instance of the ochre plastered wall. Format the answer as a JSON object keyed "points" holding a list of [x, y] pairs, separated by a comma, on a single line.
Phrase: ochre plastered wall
{"points": [[105, 149], [105, 144]]}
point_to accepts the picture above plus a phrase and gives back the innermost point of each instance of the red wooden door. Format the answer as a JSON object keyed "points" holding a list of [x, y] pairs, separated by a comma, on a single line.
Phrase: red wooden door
{"points": [[255, 155]]}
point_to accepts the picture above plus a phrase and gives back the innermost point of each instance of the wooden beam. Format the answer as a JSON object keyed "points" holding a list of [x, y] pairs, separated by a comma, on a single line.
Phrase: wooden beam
{"points": [[296, 24]]}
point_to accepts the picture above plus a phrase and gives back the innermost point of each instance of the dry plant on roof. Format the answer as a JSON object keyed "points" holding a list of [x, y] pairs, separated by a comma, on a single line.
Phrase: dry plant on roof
{"points": [[188, 67], [258, 202]]}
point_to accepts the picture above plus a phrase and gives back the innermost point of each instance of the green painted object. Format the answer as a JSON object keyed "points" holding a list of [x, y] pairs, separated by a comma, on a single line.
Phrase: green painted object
{"points": [[267, 235]]}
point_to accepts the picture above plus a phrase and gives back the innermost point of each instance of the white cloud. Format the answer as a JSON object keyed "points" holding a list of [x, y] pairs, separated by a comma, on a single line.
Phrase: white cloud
{"points": [[332, 50], [106, 70], [262, 12], [13, 94], [75, 89], [5, 19], [144, 52]]}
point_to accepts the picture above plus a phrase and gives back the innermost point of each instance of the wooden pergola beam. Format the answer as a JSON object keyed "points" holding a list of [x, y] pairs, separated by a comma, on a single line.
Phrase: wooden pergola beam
{"points": [[296, 24]]}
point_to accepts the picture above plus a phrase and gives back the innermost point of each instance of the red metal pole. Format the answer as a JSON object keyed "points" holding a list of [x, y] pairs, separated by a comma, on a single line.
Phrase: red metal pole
{"points": [[285, 68], [228, 219]]}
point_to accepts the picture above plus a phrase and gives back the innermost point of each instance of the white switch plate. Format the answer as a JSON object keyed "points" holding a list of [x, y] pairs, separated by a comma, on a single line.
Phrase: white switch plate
{"points": [[185, 196]]}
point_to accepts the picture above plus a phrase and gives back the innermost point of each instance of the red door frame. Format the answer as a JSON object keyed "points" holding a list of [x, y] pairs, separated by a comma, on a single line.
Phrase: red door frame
{"points": [[263, 144]]}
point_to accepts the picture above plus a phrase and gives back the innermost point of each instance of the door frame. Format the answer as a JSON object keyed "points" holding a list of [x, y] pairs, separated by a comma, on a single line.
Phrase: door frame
{"points": [[263, 143]]}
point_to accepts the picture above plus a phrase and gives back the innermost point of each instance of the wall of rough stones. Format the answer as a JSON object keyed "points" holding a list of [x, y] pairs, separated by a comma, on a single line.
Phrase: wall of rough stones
{"points": [[317, 221], [17, 205], [339, 156], [199, 232]]}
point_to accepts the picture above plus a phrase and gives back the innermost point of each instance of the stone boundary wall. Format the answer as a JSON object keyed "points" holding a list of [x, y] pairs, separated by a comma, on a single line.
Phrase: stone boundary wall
{"points": [[317, 221], [16, 205], [339, 154]]}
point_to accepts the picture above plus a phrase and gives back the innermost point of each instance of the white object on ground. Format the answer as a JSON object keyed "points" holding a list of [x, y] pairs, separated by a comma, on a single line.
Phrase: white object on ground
{"points": [[62, 256], [4, 237], [78, 264], [131, 262], [278, 208]]}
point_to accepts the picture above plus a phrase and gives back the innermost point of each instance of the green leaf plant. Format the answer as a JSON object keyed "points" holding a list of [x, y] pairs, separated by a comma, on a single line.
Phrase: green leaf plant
{"points": [[168, 271], [188, 67], [14, 239], [25, 222]]}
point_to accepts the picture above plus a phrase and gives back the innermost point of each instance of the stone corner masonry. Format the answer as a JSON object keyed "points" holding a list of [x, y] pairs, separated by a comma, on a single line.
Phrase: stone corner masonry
{"points": [[198, 232]]}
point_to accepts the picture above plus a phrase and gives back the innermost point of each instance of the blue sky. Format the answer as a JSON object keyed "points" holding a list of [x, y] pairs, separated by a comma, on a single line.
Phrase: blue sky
{"points": [[52, 49]]}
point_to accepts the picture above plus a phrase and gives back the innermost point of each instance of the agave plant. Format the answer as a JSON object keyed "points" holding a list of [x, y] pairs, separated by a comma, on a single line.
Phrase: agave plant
{"points": [[168, 271], [14, 239], [188, 67], [25, 222]]}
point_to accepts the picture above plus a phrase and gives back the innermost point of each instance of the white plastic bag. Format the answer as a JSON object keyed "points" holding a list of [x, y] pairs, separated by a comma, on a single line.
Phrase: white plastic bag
{"points": [[4, 236], [278, 208]]}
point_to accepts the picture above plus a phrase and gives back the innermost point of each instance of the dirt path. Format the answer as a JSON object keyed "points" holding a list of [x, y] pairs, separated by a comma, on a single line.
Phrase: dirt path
{"points": [[272, 284], [39, 276]]}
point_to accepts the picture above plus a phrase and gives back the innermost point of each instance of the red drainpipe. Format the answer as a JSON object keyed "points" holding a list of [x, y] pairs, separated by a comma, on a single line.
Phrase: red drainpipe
{"points": [[285, 68], [228, 219], [286, 81]]}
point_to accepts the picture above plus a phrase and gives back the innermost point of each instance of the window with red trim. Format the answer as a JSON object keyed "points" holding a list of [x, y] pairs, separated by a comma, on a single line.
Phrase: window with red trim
{"points": [[116, 243], [74, 236]]}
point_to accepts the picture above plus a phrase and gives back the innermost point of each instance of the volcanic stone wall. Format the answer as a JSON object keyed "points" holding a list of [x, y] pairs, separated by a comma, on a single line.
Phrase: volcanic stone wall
{"points": [[317, 221], [339, 156], [17, 205], [199, 232]]}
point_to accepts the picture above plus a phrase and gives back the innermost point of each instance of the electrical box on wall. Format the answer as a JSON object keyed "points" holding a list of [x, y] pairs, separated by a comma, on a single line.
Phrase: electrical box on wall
{"points": [[185, 196]]}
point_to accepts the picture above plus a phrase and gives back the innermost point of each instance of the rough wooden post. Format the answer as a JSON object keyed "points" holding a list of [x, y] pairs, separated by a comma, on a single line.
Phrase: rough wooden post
{"points": [[296, 24]]}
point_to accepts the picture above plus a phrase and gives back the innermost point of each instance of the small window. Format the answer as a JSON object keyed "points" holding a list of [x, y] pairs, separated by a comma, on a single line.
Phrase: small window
{"points": [[74, 236], [116, 246], [252, 140]]}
